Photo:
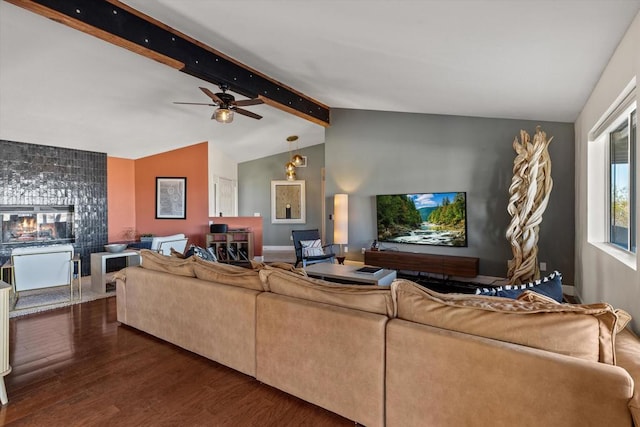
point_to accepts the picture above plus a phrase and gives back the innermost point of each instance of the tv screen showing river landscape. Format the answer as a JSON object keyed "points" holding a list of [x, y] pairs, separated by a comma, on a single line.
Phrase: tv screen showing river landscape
{"points": [[423, 218]]}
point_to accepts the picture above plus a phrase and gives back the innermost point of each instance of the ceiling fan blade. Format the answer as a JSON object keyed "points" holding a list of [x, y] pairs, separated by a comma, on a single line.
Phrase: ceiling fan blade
{"points": [[211, 95], [247, 113], [195, 103], [247, 102]]}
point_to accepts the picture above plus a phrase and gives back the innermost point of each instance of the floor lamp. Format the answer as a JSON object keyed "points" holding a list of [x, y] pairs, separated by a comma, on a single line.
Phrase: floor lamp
{"points": [[340, 222]]}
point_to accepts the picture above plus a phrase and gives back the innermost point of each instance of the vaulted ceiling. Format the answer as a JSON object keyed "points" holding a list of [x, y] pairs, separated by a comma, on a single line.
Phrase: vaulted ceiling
{"points": [[523, 59]]}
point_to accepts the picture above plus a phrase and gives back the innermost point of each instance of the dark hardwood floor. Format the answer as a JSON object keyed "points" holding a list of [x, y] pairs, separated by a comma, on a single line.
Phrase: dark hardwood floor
{"points": [[77, 366]]}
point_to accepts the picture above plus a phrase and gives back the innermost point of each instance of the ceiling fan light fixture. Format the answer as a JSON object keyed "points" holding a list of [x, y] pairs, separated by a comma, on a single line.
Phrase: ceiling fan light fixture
{"points": [[224, 115]]}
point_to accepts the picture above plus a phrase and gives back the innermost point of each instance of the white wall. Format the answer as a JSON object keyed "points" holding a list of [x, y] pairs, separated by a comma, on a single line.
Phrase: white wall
{"points": [[599, 275], [220, 165]]}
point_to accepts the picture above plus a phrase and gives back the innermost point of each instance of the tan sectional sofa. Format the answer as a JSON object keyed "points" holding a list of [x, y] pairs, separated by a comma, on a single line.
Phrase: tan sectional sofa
{"points": [[403, 356]]}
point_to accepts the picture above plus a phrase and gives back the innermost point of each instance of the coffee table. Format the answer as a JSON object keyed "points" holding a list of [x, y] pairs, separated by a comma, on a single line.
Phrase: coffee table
{"points": [[347, 274]]}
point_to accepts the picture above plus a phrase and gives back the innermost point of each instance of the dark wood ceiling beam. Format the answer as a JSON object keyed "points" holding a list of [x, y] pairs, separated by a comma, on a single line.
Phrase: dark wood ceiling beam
{"points": [[126, 27]]}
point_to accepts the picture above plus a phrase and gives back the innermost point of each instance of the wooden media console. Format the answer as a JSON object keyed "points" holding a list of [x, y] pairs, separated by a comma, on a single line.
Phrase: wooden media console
{"points": [[447, 265]]}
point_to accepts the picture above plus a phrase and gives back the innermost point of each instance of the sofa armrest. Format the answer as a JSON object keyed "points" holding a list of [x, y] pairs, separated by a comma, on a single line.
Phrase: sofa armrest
{"points": [[628, 357], [441, 377], [121, 295]]}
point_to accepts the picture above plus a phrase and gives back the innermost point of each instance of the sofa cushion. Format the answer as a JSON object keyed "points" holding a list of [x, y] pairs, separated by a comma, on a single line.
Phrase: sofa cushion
{"points": [[550, 286], [628, 357], [177, 254], [532, 296], [623, 317], [373, 299], [153, 260], [278, 265], [584, 331], [226, 274]]}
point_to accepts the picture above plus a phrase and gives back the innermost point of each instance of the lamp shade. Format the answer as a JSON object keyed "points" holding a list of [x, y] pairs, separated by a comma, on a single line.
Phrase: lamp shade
{"points": [[340, 219]]}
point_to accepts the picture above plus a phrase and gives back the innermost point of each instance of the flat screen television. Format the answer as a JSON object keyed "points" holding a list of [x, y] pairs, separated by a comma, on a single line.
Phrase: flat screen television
{"points": [[423, 218]]}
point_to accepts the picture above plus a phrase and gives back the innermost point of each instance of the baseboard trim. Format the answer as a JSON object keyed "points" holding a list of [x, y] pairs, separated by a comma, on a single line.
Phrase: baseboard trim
{"points": [[277, 248]]}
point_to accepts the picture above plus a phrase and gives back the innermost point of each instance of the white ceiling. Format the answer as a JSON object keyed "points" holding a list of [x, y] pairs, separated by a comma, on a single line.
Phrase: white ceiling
{"points": [[526, 59]]}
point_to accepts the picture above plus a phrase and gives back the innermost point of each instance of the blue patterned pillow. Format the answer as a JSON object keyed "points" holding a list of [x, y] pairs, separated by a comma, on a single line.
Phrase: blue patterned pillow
{"points": [[206, 254], [550, 286]]}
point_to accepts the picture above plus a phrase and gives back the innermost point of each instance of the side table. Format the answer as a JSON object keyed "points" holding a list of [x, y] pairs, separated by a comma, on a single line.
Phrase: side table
{"points": [[99, 275]]}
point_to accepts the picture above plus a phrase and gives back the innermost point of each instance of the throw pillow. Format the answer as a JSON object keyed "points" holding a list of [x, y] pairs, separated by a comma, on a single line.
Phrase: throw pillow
{"points": [[311, 248], [550, 286], [206, 254]]}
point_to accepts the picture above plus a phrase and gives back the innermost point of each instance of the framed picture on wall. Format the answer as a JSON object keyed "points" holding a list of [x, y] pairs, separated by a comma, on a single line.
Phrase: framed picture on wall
{"points": [[171, 198], [288, 202]]}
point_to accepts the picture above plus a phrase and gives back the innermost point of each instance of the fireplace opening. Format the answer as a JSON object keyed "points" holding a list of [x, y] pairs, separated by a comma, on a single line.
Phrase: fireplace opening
{"points": [[37, 224]]}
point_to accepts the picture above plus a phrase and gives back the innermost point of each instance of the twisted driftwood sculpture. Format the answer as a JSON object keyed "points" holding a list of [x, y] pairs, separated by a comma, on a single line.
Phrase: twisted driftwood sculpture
{"points": [[529, 190]]}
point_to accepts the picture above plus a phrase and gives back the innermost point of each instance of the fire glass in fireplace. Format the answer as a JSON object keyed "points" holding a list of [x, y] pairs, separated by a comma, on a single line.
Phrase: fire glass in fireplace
{"points": [[34, 224]]}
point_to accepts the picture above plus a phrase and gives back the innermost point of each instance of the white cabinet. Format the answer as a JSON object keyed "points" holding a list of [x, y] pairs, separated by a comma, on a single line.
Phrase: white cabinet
{"points": [[5, 368]]}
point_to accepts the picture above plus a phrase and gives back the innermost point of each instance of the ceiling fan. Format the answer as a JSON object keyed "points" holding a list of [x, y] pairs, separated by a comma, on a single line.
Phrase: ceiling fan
{"points": [[227, 105]]}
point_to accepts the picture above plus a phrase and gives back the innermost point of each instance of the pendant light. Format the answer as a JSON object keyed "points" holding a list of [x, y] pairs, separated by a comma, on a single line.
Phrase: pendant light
{"points": [[296, 160]]}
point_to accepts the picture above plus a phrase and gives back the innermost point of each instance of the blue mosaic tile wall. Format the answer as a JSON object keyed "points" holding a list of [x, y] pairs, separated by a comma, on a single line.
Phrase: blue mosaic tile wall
{"points": [[32, 174]]}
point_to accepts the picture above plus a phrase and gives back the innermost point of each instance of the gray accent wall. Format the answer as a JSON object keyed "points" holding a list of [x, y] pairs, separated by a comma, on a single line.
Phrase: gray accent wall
{"points": [[372, 152], [254, 192]]}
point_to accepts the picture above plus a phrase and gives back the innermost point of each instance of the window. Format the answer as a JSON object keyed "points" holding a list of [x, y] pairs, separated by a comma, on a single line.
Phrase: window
{"points": [[622, 179]]}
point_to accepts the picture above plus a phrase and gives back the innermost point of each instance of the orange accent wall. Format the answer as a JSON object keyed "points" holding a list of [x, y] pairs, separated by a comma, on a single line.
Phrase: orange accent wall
{"points": [[121, 198], [189, 162], [131, 196]]}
